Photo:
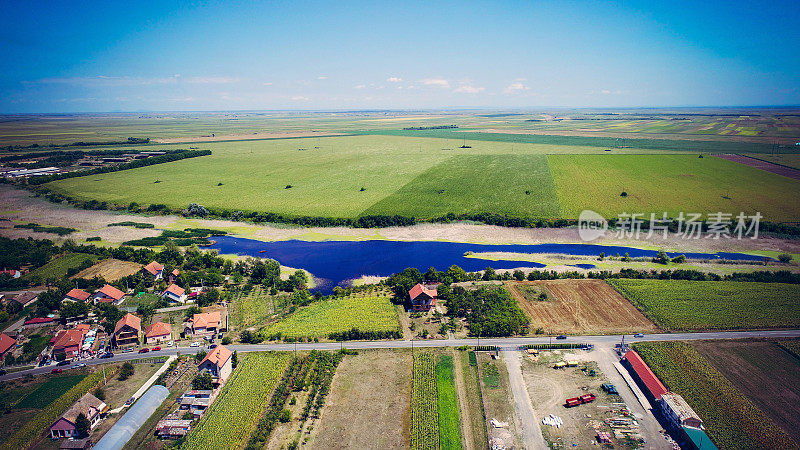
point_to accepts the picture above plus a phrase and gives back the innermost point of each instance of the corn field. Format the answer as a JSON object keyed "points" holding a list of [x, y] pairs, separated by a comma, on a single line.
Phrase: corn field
{"points": [[424, 414]]}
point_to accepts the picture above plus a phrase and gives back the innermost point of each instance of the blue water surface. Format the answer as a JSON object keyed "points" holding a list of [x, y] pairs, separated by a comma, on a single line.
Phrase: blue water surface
{"points": [[335, 263]]}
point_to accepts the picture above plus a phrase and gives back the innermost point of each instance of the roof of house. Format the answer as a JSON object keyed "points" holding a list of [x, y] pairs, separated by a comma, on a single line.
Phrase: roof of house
{"points": [[158, 329], [82, 406], [110, 291], [174, 289], [130, 320], [78, 294], [419, 289], [699, 438], [205, 320], [218, 356], [679, 406], [25, 298], [36, 320], [175, 272], [647, 376], [68, 338], [6, 342], [154, 267]]}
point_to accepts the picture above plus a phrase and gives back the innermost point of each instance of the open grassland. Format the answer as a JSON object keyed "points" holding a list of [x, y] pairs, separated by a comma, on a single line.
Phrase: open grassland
{"points": [[447, 404], [250, 308], [517, 185], [424, 416], [672, 184], [58, 268], [764, 372], [370, 392], [235, 413], [679, 305], [579, 307], [731, 420], [336, 315], [110, 270]]}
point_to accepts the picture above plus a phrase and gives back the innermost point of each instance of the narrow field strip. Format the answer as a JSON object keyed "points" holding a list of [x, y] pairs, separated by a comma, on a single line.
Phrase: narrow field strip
{"points": [[447, 404], [424, 416]]}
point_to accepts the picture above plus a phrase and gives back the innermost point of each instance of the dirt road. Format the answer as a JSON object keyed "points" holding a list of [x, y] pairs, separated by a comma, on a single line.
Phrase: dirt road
{"points": [[531, 431]]}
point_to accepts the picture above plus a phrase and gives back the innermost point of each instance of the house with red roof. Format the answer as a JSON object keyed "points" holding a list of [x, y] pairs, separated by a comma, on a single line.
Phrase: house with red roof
{"points": [[92, 407], [7, 345], [68, 342], [26, 298], [174, 275], [203, 324], [423, 296], [644, 376], [218, 363], [108, 294], [174, 293], [76, 295], [158, 332], [38, 322], [127, 331], [155, 269]]}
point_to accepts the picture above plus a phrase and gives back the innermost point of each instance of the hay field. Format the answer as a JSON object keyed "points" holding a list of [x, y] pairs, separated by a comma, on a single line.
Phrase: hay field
{"points": [[580, 307], [110, 270]]}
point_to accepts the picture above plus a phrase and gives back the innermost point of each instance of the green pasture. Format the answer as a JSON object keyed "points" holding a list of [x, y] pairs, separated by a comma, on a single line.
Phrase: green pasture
{"points": [[57, 268], [671, 183], [679, 305]]}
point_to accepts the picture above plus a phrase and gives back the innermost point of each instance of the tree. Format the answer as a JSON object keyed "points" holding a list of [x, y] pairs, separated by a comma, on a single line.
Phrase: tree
{"points": [[199, 356], [785, 258], [203, 382], [519, 275], [680, 259], [285, 416], [100, 393], [489, 274], [661, 257], [82, 425], [235, 359], [226, 340], [126, 371]]}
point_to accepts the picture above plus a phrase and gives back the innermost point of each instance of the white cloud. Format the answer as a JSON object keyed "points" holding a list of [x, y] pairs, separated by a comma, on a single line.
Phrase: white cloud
{"points": [[267, 84], [605, 92], [300, 98], [394, 79], [360, 86], [439, 82], [213, 80], [103, 80], [322, 78], [515, 88], [468, 88]]}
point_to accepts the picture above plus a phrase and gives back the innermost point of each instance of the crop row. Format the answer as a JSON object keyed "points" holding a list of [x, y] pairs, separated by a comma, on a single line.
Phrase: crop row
{"points": [[320, 382], [234, 415], [731, 420], [25, 436], [424, 414], [447, 404]]}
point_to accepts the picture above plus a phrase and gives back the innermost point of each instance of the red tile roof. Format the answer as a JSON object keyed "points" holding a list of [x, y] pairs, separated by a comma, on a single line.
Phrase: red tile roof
{"points": [[647, 376], [78, 294], [205, 320], [110, 291], [68, 338], [39, 320], [6, 342], [218, 356], [175, 290], [175, 272], [130, 320], [158, 329], [419, 289], [154, 268]]}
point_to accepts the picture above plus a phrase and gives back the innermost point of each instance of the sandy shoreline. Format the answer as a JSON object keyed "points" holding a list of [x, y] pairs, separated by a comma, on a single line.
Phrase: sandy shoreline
{"points": [[20, 206]]}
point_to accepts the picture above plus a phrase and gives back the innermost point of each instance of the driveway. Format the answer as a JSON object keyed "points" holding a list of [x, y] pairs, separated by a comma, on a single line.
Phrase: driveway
{"points": [[531, 431]]}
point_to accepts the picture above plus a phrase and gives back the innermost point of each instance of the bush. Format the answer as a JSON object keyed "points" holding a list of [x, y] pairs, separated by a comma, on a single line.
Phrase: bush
{"points": [[285, 416], [126, 371], [785, 258], [203, 382]]}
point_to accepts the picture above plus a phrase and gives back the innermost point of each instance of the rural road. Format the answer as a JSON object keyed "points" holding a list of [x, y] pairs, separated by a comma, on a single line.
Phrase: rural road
{"points": [[531, 431], [503, 343]]}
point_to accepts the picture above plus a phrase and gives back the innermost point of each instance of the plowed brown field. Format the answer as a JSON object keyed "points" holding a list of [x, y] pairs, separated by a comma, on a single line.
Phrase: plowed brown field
{"points": [[581, 307]]}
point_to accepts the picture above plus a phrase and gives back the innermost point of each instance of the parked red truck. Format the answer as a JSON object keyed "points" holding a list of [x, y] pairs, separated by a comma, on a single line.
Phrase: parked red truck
{"points": [[575, 401]]}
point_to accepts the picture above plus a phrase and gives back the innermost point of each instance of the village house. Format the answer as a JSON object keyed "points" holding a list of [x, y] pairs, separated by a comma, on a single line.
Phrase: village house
{"points": [[174, 293], [92, 407], [108, 294], [173, 428], [158, 332], [7, 346], [203, 324], [423, 296], [13, 273], [68, 342], [76, 295], [127, 331], [155, 269], [37, 322], [678, 412], [26, 298], [217, 363], [173, 276]]}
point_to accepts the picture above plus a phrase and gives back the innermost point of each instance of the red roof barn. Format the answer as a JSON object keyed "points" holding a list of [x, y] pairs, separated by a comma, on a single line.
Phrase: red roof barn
{"points": [[645, 375]]}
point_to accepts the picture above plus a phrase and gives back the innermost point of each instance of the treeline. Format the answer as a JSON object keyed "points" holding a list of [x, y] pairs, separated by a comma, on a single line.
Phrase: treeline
{"points": [[129, 141], [436, 127], [357, 335], [174, 155], [59, 157]]}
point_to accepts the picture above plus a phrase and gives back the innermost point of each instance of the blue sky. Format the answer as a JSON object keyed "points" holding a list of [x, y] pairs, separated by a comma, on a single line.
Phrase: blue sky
{"points": [[151, 56]]}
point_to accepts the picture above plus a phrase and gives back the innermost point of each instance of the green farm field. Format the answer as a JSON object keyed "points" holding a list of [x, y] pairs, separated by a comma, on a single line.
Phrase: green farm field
{"points": [[679, 305], [672, 184], [319, 319], [58, 268], [731, 420]]}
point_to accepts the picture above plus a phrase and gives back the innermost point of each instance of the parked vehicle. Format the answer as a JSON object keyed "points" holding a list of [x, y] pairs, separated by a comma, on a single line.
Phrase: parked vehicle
{"points": [[155, 349], [170, 343], [56, 370], [638, 335], [79, 365], [63, 363], [561, 336], [195, 344], [144, 350], [212, 346], [610, 388], [107, 355], [130, 401]]}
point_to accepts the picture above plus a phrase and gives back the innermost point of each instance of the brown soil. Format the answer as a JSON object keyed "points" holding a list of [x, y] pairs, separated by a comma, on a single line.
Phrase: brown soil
{"points": [[369, 403], [581, 307], [765, 373], [110, 270]]}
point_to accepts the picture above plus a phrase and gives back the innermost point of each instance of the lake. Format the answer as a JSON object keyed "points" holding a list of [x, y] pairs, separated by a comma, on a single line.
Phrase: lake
{"points": [[335, 263]]}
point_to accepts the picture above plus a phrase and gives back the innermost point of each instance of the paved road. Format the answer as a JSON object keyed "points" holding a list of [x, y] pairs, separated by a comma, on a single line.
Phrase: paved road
{"points": [[503, 343]]}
